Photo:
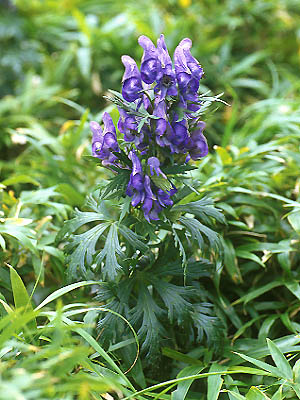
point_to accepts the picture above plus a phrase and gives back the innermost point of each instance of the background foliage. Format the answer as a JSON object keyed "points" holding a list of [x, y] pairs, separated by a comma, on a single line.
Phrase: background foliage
{"points": [[58, 59]]}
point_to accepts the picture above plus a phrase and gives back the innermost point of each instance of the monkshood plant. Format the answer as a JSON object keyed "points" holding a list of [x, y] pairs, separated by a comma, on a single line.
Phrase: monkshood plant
{"points": [[149, 235]]}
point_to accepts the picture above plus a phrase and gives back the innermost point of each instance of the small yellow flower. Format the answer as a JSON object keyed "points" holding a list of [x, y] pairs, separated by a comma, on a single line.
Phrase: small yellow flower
{"points": [[185, 3]]}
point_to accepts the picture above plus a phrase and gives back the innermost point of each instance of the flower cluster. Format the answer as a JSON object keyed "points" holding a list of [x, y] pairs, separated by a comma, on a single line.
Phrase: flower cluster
{"points": [[158, 121]]}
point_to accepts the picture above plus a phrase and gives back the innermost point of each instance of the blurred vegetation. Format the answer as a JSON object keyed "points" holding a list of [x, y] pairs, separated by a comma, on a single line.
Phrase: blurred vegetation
{"points": [[58, 59]]}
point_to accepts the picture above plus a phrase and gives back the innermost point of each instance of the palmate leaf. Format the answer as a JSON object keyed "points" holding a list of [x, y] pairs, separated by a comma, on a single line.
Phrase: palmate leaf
{"points": [[194, 270], [161, 182], [178, 169], [147, 313], [85, 244], [175, 298], [110, 251], [132, 238], [116, 298], [82, 248], [206, 324], [117, 184], [202, 208], [80, 218], [179, 245], [197, 229], [183, 192], [122, 156], [193, 228]]}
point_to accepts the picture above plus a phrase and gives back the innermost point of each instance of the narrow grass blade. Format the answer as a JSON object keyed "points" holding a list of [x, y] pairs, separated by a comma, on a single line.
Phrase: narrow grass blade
{"points": [[214, 382], [21, 297], [280, 360], [66, 289]]}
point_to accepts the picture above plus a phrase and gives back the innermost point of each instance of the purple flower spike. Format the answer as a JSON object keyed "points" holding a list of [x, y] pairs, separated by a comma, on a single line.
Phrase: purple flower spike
{"points": [[154, 166], [132, 83], [150, 66], [160, 121]]}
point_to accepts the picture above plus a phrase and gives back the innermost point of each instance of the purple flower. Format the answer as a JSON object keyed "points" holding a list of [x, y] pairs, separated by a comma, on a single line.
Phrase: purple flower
{"points": [[150, 66], [157, 67], [127, 125], [104, 141], [188, 70], [180, 135], [155, 199], [150, 207], [198, 145], [166, 82], [190, 101], [144, 192], [154, 166], [135, 187], [152, 210], [173, 135], [160, 111], [132, 83], [153, 204], [164, 198]]}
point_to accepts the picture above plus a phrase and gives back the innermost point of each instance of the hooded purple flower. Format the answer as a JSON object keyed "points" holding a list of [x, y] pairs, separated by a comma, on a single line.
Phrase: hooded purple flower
{"points": [[166, 82], [104, 141], [188, 74], [153, 204], [164, 198], [150, 66], [128, 125], [144, 192], [198, 145], [173, 135], [132, 83], [154, 166], [150, 207], [139, 188], [135, 187], [180, 135], [160, 111], [188, 70], [157, 67]]}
